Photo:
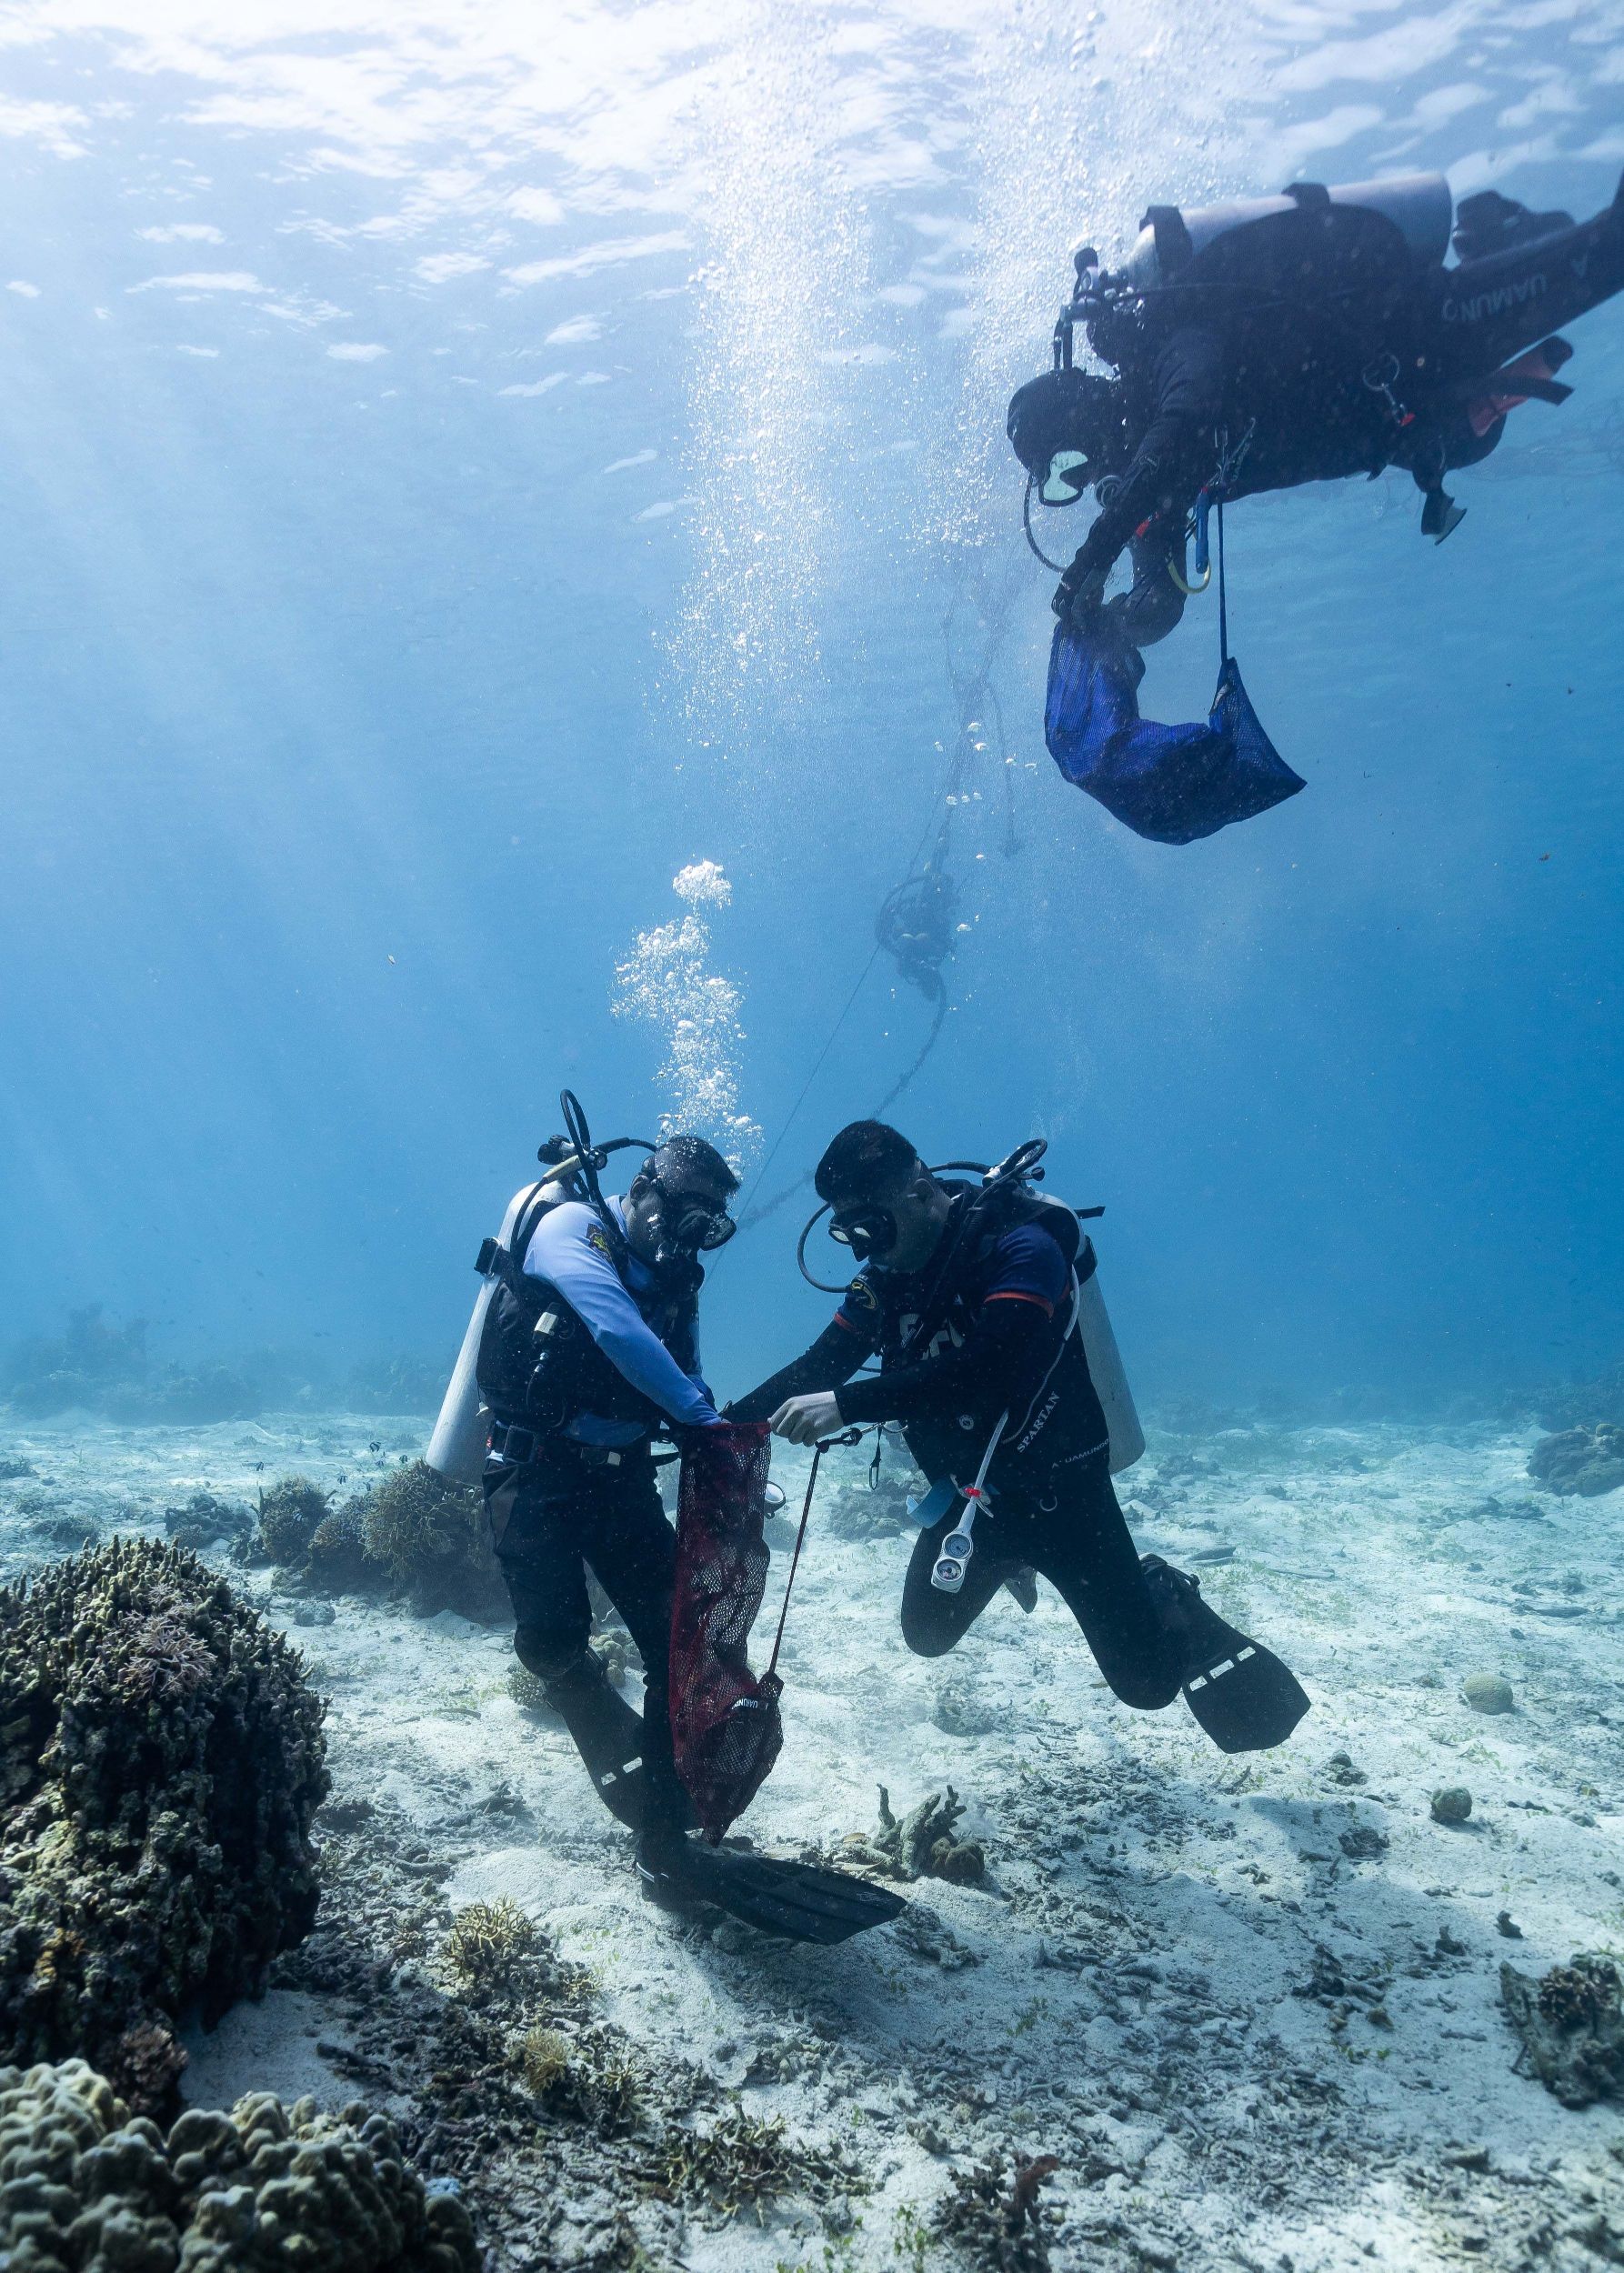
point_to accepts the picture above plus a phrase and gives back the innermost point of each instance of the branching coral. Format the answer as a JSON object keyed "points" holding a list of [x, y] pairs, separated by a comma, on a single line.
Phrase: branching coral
{"points": [[486, 1942], [923, 1845], [338, 1561], [998, 2222], [256, 2191], [161, 1759], [746, 2161], [584, 2080], [289, 1513], [429, 1536]]}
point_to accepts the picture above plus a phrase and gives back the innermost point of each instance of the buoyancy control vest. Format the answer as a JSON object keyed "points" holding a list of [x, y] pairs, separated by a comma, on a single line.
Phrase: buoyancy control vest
{"points": [[1062, 1421], [538, 1365]]}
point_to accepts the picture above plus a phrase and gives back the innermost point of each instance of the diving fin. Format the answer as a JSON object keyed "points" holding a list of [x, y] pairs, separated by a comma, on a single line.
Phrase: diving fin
{"points": [[1243, 1696], [1022, 1583], [606, 1732], [794, 1900], [1440, 516]]}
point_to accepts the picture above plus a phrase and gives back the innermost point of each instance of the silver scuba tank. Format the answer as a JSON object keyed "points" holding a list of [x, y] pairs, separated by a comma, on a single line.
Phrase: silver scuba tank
{"points": [[1420, 207], [1106, 1369], [457, 1445], [1109, 1375]]}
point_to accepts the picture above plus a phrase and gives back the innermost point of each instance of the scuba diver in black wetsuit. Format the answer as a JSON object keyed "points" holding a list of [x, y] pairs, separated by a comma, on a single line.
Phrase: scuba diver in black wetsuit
{"points": [[589, 1349], [971, 1296], [1301, 338]]}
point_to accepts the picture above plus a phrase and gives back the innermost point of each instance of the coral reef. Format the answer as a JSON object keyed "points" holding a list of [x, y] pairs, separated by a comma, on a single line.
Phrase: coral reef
{"points": [[396, 1384], [1571, 2025], [107, 1369], [289, 1515], [46, 1375], [998, 2224], [527, 1689], [1588, 1461], [411, 1534], [922, 1846], [161, 1759], [429, 1538], [256, 2191], [1453, 1804], [1583, 1403]]}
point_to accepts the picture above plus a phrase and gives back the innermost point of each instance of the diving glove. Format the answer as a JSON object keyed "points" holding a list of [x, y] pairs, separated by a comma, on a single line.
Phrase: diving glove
{"points": [[1080, 596]]}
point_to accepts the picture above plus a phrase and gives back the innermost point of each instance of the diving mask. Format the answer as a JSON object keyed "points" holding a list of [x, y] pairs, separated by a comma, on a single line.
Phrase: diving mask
{"points": [[869, 1232], [1067, 478], [689, 1224]]}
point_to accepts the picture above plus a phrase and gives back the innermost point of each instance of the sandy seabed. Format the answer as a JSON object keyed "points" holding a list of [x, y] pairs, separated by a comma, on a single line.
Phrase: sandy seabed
{"points": [[1251, 2006]]}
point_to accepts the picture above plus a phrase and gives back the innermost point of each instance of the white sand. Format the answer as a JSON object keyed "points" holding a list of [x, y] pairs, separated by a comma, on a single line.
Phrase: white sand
{"points": [[1123, 1996]]}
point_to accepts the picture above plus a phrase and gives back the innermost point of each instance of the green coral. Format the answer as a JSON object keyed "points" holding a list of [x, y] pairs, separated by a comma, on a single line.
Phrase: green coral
{"points": [[486, 1943], [89, 2188], [161, 1759], [338, 1562], [746, 2161], [289, 1514], [429, 1536]]}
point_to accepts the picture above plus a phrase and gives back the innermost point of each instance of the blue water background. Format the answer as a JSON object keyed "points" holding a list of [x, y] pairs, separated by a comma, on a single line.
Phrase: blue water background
{"points": [[457, 469]]}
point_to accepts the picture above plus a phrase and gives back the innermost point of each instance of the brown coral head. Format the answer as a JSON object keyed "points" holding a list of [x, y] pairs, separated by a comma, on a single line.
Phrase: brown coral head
{"points": [[1577, 1996], [145, 2066]]}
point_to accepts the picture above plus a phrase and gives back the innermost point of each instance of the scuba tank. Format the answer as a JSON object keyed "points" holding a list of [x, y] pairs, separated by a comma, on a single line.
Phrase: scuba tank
{"points": [[1108, 1375], [1417, 205], [457, 1448], [457, 1445]]}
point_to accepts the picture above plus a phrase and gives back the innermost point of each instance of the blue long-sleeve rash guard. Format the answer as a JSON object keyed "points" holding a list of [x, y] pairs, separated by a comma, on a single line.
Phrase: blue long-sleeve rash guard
{"points": [[570, 1251]]}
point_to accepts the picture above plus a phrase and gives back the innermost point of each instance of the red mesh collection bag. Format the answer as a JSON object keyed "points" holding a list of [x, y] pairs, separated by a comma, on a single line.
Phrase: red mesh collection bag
{"points": [[725, 1730]]}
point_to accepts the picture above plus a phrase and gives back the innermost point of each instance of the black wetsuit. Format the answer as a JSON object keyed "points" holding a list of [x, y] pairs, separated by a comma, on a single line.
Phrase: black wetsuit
{"points": [[1309, 355], [570, 1482], [994, 1337]]}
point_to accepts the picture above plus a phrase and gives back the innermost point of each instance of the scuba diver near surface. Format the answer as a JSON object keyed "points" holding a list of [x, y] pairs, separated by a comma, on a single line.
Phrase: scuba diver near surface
{"points": [[975, 1299], [583, 1348], [1271, 342]]}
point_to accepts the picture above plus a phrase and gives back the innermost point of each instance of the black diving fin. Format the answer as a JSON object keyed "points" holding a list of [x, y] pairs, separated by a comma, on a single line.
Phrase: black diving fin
{"points": [[606, 1732], [1245, 1698], [794, 1900]]}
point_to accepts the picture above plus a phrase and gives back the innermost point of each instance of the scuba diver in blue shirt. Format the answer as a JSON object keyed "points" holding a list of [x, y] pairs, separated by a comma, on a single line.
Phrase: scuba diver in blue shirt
{"points": [[590, 1349], [972, 1295], [1308, 337]]}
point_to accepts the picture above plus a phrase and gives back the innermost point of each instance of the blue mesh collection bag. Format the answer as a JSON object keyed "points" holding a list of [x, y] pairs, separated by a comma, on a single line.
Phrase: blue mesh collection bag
{"points": [[1172, 783]]}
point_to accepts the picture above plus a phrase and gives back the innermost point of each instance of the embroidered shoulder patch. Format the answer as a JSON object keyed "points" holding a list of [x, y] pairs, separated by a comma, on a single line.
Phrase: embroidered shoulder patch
{"points": [[596, 1237], [861, 1295]]}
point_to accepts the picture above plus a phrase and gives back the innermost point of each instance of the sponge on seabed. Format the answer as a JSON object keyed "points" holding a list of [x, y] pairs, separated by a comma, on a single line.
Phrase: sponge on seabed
{"points": [[260, 2190]]}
